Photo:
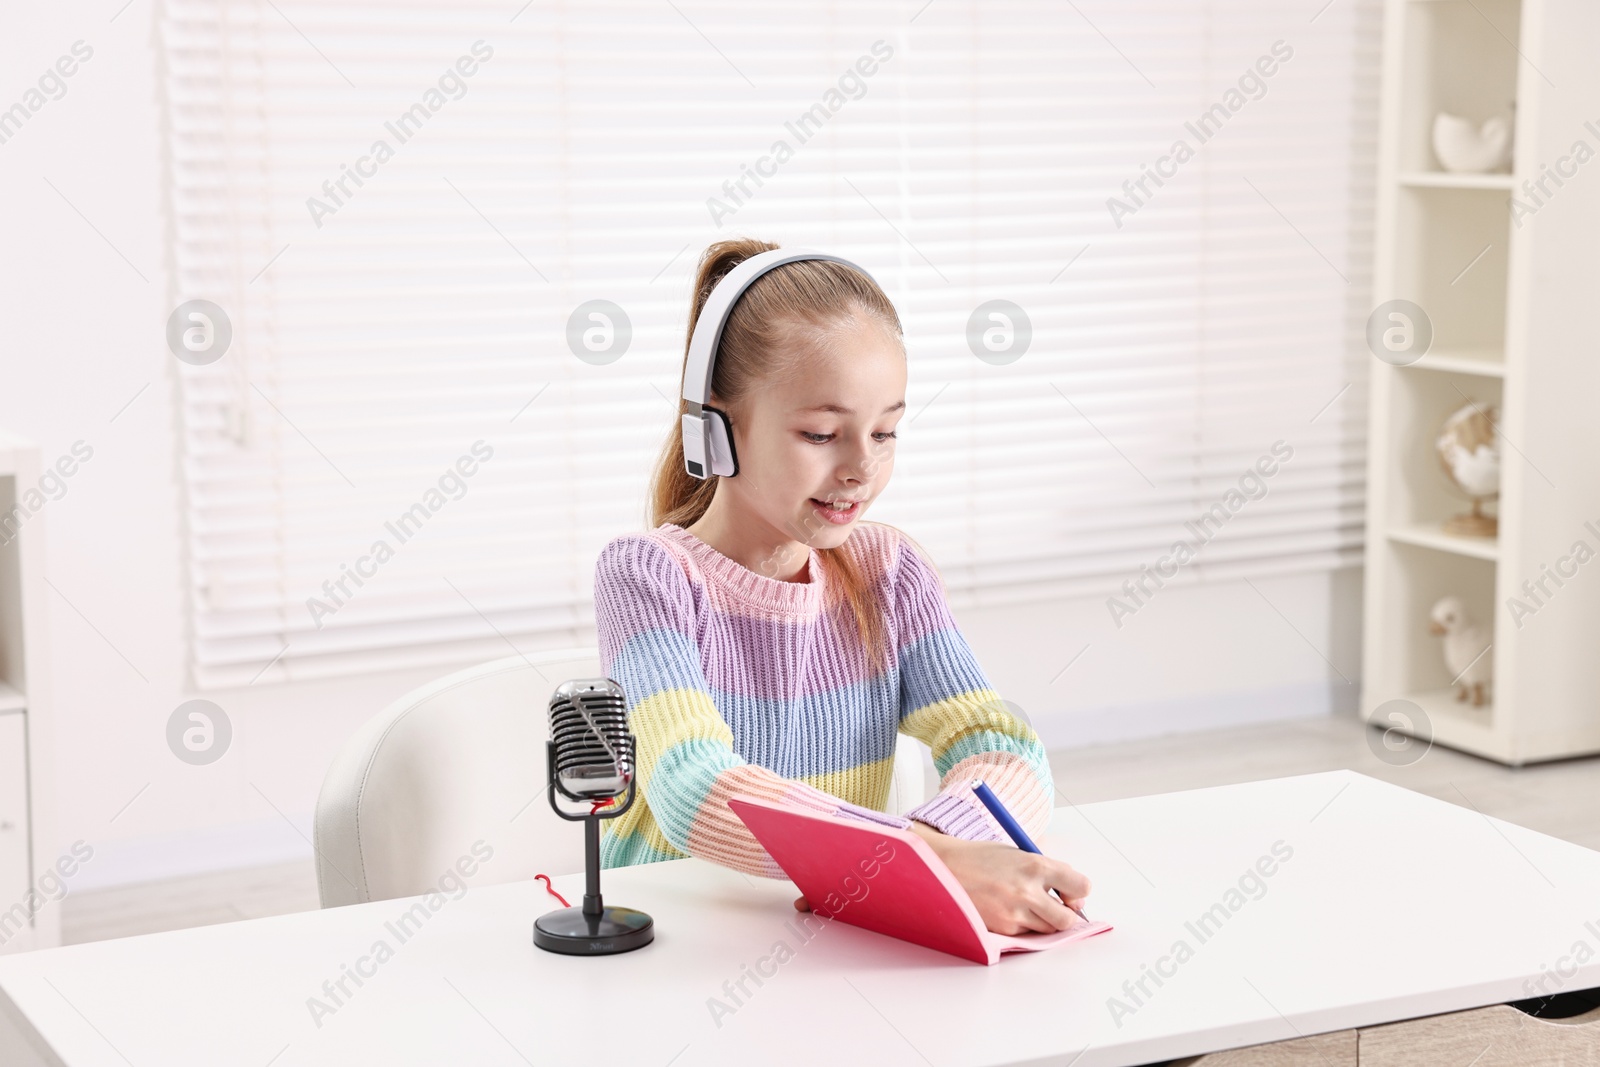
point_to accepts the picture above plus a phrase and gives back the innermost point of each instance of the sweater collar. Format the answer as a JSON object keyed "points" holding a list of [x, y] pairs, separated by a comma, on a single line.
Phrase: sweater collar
{"points": [[748, 584]]}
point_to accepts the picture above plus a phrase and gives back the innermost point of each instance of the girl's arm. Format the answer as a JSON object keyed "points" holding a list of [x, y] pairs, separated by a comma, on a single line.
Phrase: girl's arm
{"points": [[946, 702], [687, 767]]}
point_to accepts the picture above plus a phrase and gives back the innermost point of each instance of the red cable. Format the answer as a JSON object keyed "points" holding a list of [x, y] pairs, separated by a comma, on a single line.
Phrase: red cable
{"points": [[545, 878]]}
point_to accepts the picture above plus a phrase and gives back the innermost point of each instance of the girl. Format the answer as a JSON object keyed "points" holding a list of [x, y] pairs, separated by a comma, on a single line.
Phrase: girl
{"points": [[771, 642]]}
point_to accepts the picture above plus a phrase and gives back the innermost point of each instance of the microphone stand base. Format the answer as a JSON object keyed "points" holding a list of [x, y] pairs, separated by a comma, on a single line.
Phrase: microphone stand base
{"points": [[570, 932]]}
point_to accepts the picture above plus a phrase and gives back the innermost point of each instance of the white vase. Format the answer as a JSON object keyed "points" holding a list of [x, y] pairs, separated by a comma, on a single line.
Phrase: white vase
{"points": [[1464, 148]]}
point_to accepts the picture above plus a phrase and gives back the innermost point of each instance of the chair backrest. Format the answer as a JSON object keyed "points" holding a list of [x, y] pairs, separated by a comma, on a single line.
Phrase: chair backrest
{"points": [[462, 761]]}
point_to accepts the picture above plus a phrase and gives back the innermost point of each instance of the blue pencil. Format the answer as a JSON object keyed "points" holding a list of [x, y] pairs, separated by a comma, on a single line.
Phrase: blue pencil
{"points": [[1014, 828]]}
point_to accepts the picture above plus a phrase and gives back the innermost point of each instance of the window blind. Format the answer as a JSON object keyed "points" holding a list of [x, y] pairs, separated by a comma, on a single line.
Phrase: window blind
{"points": [[399, 206]]}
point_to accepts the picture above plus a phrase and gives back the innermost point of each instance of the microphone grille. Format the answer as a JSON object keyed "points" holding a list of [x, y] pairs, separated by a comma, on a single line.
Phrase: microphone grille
{"points": [[593, 749]]}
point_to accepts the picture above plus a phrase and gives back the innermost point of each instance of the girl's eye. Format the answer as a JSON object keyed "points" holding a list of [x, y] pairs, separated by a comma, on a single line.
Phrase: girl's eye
{"points": [[823, 438]]}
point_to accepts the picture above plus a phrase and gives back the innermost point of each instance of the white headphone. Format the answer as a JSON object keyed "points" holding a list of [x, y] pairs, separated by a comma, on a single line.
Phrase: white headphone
{"points": [[707, 434]]}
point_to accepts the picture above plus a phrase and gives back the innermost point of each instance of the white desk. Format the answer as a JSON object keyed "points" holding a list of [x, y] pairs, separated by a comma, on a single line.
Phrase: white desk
{"points": [[1392, 905]]}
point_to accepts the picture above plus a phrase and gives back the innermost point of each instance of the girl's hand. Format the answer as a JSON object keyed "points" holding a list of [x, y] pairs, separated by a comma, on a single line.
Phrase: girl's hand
{"points": [[1007, 885]]}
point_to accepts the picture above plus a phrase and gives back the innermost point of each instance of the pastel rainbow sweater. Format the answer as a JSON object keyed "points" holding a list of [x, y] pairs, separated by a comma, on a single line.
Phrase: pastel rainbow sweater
{"points": [[741, 683]]}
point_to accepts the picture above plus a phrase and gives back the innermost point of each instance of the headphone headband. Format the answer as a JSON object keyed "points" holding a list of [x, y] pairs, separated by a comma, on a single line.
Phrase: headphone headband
{"points": [[719, 305], [707, 437]]}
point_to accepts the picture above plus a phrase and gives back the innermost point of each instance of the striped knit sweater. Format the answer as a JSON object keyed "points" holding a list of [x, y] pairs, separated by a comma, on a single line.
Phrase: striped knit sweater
{"points": [[741, 683]]}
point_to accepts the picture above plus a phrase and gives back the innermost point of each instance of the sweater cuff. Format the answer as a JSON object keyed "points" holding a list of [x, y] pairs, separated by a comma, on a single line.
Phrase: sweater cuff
{"points": [[958, 814], [848, 810]]}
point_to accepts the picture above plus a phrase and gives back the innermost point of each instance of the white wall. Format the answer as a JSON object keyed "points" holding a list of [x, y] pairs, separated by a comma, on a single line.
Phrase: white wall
{"points": [[84, 335], [1194, 658]]}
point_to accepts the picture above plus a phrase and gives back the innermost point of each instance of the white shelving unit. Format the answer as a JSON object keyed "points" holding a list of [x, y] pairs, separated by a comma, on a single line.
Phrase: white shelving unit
{"points": [[1513, 306], [25, 775]]}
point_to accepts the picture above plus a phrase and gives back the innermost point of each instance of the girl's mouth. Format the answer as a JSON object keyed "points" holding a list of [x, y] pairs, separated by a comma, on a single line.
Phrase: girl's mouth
{"points": [[838, 516]]}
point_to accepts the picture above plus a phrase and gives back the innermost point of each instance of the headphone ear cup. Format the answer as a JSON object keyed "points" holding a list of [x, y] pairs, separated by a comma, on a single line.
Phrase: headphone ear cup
{"points": [[696, 453], [724, 460]]}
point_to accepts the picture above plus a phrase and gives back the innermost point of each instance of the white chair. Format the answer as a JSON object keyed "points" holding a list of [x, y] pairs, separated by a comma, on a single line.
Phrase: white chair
{"points": [[462, 760]]}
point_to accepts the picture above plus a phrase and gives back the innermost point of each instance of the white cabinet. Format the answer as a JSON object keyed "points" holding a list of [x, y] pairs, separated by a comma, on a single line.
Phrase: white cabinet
{"points": [[1504, 268], [15, 912], [26, 846]]}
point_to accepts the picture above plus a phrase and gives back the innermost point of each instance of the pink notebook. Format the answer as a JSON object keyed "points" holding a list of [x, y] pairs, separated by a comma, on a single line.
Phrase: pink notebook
{"points": [[884, 879]]}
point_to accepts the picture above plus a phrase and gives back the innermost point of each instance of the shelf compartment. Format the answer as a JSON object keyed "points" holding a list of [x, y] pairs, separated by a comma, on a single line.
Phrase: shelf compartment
{"points": [[10, 699], [1460, 58], [1417, 493], [1410, 659], [1452, 248]]}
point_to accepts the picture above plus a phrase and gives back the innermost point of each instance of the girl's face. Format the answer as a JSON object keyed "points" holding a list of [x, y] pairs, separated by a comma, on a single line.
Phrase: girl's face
{"points": [[825, 438]]}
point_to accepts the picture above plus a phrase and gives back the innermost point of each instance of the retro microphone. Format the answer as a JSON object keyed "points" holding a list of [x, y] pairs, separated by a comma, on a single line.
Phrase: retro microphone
{"points": [[590, 756]]}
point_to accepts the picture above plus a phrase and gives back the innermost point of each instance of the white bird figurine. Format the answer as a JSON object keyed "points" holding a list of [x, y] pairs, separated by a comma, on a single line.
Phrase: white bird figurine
{"points": [[1466, 648]]}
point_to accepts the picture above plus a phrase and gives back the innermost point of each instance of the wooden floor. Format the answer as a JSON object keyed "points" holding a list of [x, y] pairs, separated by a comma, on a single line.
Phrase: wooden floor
{"points": [[1561, 799]]}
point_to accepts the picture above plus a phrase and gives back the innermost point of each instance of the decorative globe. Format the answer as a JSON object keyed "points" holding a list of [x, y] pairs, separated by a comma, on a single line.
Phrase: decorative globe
{"points": [[1469, 453]]}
